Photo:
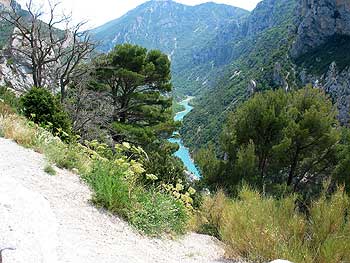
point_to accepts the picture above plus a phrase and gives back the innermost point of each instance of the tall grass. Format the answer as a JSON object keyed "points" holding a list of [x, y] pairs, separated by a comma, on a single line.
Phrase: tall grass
{"points": [[110, 188], [262, 229], [155, 212]]}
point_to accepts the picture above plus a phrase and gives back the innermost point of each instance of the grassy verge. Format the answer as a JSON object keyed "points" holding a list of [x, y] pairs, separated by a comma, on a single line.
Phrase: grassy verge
{"points": [[263, 229], [113, 177]]}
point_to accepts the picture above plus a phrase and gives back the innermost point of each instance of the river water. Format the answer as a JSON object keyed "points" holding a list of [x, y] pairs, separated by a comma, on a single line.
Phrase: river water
{"points": [[183, 153]]}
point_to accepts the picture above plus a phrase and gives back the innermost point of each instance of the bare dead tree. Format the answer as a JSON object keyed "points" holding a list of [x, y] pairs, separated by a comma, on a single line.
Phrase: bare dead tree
{"points": [[91, 111], [45, 47]]}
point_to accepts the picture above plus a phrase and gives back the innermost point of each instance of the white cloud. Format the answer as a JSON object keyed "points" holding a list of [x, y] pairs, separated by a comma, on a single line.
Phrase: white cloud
{"points": [[102, 11]]}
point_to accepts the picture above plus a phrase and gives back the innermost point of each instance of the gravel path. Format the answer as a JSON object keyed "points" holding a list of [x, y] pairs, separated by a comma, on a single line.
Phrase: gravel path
{"points": [[49, 219]]}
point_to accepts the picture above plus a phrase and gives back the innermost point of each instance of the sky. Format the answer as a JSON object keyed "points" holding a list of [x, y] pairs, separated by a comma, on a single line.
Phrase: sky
{"points": [[98, 12]]}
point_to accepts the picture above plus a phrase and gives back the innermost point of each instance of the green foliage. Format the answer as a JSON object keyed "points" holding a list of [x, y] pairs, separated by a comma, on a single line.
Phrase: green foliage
{"points": [[138, 81], [110, 188], [156, 212], [49, 170], [5, 33], [43, 108], [161, 163], [211, 167], [342, 171], [71, 156], [275, 139], [262, 229], [255, 58], [177, 107], [188, 31], [8, 97]]}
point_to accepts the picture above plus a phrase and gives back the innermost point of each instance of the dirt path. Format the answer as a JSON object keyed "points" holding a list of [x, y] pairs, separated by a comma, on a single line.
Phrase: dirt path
{"points": [[49, 219]]}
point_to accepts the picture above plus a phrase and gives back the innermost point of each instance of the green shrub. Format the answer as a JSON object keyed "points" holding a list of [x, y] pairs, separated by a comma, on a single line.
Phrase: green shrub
{"points": [[155, 213], [49, 170], [69, 156], [263, 229], [110, 188], [44, 108], [9, 98]]}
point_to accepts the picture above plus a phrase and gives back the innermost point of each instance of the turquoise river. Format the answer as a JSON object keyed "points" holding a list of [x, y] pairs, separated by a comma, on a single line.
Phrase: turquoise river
{"points": [[183, 153]]}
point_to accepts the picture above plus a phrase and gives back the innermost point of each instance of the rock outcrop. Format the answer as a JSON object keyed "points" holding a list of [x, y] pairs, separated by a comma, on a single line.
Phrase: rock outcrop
{"points": [[336, 83], [320, 22], [321, 19]]}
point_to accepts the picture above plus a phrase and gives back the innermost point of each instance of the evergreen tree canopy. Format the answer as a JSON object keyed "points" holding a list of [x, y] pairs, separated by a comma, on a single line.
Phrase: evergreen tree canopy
{"points": [[139, 82], [278, 139]]}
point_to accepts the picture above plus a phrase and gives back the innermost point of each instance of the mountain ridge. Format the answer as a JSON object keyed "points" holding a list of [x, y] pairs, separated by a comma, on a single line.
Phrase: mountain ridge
{"points": [[176, 29]]}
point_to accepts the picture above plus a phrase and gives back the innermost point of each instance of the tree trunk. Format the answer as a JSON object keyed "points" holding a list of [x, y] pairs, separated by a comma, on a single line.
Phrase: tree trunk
{"points": [[293, 167], [63, 90]]}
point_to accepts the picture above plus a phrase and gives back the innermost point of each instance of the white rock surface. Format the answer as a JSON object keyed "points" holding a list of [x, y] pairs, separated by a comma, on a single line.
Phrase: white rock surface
{"points": [[49, 219]]}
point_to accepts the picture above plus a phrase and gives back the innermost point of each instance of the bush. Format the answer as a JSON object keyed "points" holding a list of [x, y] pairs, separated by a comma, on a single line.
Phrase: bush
{"points": [[43, 108], [9, 98], [263, 229], [155, 213], [110, 188], [151, 212], [49, 170], [274, 141], [68, 156]]}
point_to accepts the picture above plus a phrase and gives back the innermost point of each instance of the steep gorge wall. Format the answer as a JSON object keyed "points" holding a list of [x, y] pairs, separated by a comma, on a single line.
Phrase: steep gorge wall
{"points": [[321, 22], [321, 19]]}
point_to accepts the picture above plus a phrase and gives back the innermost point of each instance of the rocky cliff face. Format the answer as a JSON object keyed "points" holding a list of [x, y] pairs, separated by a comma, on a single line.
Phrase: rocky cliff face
{"points": [[321, 19], [268, 14], [336, 83], [322, 39]]}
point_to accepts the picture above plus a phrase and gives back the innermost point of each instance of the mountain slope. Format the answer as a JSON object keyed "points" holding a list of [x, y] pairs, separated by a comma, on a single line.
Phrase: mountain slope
{"points": [[176, 29], [285, 43], [261, 62]]}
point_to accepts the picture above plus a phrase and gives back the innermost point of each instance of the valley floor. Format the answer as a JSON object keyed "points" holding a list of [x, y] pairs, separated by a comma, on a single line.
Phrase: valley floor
{"points": [[49, 219]]}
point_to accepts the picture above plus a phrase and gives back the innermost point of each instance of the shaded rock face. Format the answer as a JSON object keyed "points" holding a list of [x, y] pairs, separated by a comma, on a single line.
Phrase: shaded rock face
{"points": [[320, 20], [336, 84]]}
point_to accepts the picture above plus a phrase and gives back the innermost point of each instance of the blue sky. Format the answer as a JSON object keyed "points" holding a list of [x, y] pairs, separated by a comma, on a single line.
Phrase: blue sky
{"points": [[102, 11]]}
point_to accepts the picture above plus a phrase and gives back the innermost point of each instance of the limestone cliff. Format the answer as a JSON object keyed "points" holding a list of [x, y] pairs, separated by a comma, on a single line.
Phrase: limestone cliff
{"points": [[321, 44], [321, 19]]}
